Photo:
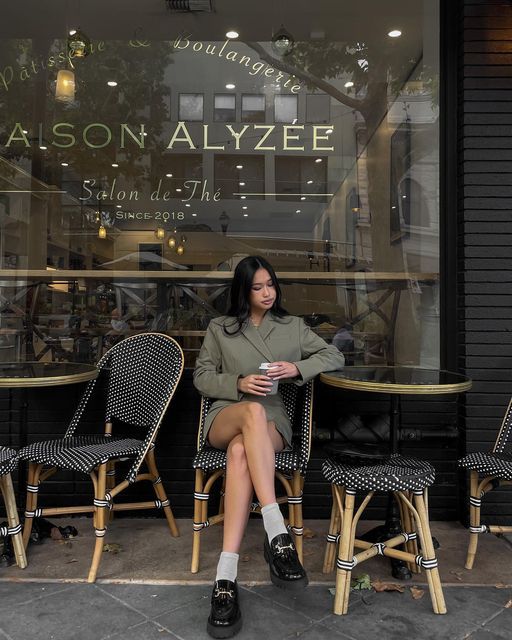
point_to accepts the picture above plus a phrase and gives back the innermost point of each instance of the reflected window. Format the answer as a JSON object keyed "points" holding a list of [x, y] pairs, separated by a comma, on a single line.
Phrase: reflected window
{"points": [[318, 108], [300, 176], [237, 175], [181, 171], [253, 108], [224, 108], [191, 106], [285, 109]]}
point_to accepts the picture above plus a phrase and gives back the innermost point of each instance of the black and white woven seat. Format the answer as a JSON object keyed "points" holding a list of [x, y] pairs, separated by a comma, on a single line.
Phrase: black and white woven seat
{"points": [[210, 465], [408, 479], [8, 462], [397, 473], [491, 464], [142, 373], [488, 470]]}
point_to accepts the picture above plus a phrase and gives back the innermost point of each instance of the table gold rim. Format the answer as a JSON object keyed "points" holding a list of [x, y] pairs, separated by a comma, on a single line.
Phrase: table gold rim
{"points": [[50, 381], [383, 387]]}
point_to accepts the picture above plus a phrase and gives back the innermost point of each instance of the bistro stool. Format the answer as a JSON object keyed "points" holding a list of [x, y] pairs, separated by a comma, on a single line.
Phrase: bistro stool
{"points": [[8, 462], [489, 470], [408, 479]]}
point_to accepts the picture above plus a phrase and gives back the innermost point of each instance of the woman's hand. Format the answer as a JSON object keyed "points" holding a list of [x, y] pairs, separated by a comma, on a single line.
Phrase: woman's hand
{"points": [[281, 370], [255, 384]]}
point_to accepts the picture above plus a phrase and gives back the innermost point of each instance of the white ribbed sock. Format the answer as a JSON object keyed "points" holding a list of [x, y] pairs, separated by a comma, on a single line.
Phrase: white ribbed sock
{"points": [[227, 568], [273, 520]]}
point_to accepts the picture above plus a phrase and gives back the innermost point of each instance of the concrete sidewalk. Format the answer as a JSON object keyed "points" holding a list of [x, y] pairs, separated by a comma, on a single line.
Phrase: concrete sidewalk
{"points": [[56, 611]]}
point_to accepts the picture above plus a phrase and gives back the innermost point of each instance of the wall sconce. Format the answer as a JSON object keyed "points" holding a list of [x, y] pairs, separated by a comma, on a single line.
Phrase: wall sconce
{"points": [[65, 86], [282, 42], [180, 249], [171, 242], [160, 233], [102, 232], [79, 44]]}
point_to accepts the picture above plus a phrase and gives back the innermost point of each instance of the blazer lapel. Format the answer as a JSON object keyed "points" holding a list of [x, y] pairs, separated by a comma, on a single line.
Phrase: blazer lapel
{"points": [[257, 336]]}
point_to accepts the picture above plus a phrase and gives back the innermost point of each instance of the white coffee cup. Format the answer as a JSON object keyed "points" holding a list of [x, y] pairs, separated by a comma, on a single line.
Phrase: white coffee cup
{"points": [[264, 369]]}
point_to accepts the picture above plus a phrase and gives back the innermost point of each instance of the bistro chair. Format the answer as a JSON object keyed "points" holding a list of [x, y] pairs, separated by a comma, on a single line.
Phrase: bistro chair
{"points": [[488, 470], [408, 479], [210, 465], [143, 373], [8, 462]]}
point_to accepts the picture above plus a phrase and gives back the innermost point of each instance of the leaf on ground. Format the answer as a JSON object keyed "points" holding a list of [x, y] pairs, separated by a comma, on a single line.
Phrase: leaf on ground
{"points": [[361, 582], [70, 561], [501, 585], [112, 547], [246, 558], [379, 586], [55, 534], [332, 591], [457, 574], [309, 533], [417, 593], [508, 605]]}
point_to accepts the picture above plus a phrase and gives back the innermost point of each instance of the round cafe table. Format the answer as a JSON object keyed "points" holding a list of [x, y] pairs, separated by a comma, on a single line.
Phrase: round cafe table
{"points": [[395, 381]]}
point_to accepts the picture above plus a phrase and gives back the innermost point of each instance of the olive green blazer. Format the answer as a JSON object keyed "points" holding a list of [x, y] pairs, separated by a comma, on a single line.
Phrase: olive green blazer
{"points": [[224, 358]]}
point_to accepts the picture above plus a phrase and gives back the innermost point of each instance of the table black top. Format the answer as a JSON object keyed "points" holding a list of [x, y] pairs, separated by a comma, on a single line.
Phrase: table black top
{"points": [[398, 379], [44, 374]]}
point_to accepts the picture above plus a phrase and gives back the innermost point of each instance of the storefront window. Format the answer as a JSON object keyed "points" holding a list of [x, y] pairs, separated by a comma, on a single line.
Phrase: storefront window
{"points": [[133, 178]]}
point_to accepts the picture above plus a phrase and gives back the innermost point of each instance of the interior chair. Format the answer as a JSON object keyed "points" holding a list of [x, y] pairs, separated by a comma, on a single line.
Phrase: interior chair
{"points": [[142, 373], [8, 462], [408, 479], [210, 465], [488, 470]]}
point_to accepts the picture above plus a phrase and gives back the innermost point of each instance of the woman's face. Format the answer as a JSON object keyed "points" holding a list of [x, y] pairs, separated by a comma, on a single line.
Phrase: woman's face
{"points": [[263, 292]]}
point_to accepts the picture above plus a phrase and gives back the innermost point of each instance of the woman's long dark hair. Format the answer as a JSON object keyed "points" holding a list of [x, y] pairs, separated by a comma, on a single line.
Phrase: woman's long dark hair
{"points": [[241, 284]]}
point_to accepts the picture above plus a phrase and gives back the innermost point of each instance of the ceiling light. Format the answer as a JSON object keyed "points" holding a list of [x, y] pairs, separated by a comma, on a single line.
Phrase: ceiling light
{"points": [[395, 33], [119, 206], [194, 215], [303, 197], [244, 207], [72, 32], [187, 204], [349, 84], [242, 184], [171, 242], [178, 190], [24, 131], [238, 166], [79, 44], [64, 164], [318, 160], [168, 175], [297, 211], [102, 232], [112, 83], [230, 85], [246, 215], [65, 86], [232, 34], [282, 42], [114, 164], [310, 182], [328, 131], [43, 148], [404, 197], [180, 249], [242, 197]]}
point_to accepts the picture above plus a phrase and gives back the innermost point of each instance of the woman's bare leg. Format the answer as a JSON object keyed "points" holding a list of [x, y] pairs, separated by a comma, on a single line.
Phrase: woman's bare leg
{"points": [[261, 440], [238, 495]]}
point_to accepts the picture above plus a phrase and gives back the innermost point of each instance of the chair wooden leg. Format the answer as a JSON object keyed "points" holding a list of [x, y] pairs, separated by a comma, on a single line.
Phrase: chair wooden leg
{"points": [[34, 471], [429, 556], [111, 483], [101, 509], [407, 526], [334, 530], [13, 520], [198, 520], [161, 494], [345, 556], [474, 519], [296, 520]]}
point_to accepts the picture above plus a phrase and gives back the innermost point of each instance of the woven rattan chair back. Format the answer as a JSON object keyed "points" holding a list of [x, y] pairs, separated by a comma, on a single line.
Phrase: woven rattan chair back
{"points": [[143, 373], [503, 439]]}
